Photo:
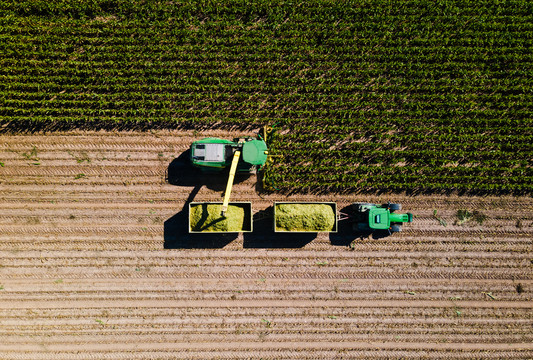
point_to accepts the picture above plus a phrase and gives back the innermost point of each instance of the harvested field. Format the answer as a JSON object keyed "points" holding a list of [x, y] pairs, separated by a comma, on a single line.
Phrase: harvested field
{"points": [[96, 262]]}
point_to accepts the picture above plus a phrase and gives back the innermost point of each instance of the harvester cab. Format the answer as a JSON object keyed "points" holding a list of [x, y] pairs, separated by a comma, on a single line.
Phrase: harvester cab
{"points": [[243, 155]]}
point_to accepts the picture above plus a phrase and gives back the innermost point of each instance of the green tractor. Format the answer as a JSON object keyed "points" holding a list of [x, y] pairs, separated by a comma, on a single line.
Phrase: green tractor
{"points": [[215, 155], [370, 217]]}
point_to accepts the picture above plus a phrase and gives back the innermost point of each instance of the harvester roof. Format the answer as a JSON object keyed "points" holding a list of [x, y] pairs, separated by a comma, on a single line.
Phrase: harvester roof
{"points": [[209, 152]]}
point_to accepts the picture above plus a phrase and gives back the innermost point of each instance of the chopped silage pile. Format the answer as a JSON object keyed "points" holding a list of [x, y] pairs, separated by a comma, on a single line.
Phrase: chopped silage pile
{"points": [[305, 217], [207, 218]]}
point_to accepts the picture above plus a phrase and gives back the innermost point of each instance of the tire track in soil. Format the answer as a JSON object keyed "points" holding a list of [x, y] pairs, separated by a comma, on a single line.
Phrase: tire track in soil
{"points": [[84, 271], [302, 346], [306, 354], [106, 304]]}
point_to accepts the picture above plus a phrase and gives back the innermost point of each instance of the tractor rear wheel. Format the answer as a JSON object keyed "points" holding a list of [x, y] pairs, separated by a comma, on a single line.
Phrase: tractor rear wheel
{"points": [[362, 204], [396, 228], [395, 207]]}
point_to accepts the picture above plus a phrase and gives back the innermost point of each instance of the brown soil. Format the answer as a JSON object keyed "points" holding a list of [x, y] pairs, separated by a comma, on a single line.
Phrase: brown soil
{"points": [[96, 262]]}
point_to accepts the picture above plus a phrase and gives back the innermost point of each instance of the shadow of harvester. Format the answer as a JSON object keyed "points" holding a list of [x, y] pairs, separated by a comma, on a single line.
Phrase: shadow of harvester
{"points": [[181, 173]]}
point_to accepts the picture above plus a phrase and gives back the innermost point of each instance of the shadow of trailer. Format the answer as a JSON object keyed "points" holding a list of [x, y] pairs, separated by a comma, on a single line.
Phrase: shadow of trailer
{"points": [[283, 225]]}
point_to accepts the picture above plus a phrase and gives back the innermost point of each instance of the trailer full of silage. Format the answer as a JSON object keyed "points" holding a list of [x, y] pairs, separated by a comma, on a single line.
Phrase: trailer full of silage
{"points": [[305, 217], [207, 218]]}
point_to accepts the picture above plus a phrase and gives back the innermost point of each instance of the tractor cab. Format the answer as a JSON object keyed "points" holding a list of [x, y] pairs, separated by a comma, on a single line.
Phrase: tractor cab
{"points": [[370, 217], [379, 218]]}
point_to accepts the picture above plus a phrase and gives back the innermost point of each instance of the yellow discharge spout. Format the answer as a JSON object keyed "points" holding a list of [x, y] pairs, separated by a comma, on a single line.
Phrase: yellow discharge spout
{"points": [[229, 185]]}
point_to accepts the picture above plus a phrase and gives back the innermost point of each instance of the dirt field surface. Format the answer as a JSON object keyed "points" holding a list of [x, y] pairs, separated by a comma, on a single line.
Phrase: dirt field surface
{"points": [[96, 263]]}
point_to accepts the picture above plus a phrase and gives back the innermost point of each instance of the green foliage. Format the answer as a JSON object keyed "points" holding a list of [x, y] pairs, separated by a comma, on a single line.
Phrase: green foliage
{"points": [[63, 8], [31, 155], [464, 216], [413, 96], [81, 157], [439, 219]]}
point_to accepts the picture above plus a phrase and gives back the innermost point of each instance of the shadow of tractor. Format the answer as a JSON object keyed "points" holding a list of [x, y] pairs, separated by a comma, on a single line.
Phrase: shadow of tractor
{"points": [[348, 231]]}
